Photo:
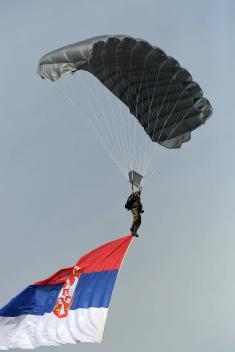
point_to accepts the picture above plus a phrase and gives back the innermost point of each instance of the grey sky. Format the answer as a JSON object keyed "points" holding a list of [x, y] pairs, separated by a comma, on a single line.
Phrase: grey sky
{"points": [[58, 200]]}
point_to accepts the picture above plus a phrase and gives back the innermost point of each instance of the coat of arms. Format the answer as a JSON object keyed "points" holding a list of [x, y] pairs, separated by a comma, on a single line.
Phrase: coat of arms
{"points": [[65, 298]]}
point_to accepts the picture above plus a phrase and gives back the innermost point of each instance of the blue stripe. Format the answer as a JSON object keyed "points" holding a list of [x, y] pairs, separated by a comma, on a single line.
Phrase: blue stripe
{"points": [[93, 290]]}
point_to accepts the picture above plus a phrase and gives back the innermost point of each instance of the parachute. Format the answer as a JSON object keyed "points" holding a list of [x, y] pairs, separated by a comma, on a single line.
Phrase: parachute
{"points": [[157, 91]]}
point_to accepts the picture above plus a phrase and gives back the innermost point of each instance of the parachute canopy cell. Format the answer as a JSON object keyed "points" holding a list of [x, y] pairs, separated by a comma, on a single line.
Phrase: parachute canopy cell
{"points": [[161, 94]]}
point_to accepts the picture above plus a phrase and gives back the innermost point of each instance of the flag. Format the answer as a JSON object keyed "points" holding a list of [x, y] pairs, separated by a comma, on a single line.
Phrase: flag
{"points": [[68, 307]]}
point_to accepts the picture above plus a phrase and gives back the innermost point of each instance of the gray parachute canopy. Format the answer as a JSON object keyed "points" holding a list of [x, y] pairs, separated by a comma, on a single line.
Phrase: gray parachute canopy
{"points": [[157, 90]]}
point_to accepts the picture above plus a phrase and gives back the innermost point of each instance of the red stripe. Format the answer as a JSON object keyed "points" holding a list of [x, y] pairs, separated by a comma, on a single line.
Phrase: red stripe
{"points": [[106, 257]]}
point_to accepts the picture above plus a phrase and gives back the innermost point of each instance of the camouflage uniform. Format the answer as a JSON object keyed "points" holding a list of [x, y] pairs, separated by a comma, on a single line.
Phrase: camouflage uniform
{"points": [[134, 205]]}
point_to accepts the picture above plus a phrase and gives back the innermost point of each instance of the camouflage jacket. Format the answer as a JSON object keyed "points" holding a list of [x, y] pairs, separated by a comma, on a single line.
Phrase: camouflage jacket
{"points": [[134, 202]]}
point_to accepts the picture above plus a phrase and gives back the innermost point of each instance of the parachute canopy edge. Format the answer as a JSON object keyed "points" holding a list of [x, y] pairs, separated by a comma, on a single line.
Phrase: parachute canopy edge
{"points": [[74, 57]]}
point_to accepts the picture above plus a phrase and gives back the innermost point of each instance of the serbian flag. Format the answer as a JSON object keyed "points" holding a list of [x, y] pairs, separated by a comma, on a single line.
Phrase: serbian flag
{"points": [[70, 306]]}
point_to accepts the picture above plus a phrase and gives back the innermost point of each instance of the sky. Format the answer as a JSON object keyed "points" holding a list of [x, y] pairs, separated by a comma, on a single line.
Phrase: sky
{"points": [[60, 195]]}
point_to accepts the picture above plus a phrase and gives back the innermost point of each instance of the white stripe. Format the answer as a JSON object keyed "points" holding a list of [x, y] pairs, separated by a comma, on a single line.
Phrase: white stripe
{"points": [[30, 331]]}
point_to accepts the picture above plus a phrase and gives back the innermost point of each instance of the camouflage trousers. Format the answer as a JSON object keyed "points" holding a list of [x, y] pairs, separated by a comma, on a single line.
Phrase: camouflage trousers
{"points": [[136, 219]]}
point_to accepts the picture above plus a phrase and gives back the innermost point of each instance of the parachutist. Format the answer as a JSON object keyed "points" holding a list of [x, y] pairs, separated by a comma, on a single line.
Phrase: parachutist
{"points": [[134, 204]]}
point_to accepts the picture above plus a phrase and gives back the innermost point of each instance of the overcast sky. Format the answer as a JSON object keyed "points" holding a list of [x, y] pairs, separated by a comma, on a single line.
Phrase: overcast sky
{"points": [[60, 195]]}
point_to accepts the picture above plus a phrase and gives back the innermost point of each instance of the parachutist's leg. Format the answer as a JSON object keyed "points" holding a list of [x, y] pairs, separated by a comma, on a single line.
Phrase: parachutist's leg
{"points": [[135, 234], [133, 221], [136, 220]]}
